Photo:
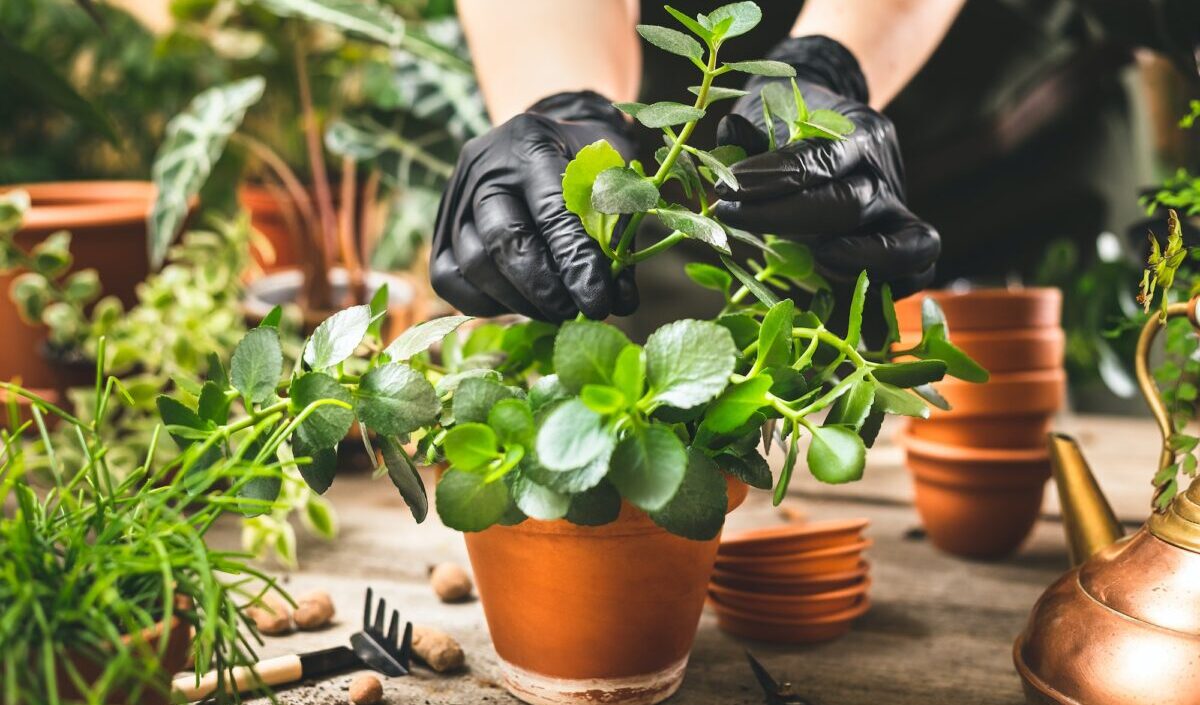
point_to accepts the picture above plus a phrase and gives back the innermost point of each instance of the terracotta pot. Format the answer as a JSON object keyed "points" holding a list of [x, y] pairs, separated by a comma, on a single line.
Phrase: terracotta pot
{"points": [[800, 631], [1009, 394], [987, 309], [977, 503], [807, 563], [805, 585], [283, 287], [179, 641], [789, 607], [793, 538], [107, 221], [269, 218], [984, 431], [593, 614], [1003, 351]]}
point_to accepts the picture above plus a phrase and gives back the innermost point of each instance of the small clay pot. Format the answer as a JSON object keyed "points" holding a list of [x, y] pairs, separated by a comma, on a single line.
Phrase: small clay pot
{"points": [[784, 631], [582, 614], [803, 564], [987, 309], [984, 431], [283, 287], [977, 503], [790, 607], [805, 585], [1003, 351], [107, 222], [179, 642], [1040, 392], [793, 538], [269, 217]]}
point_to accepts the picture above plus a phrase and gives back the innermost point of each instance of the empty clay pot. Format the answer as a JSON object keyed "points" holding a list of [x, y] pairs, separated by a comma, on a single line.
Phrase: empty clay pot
{"points": [[984, 431], [788, 631], [789, 607], [804, 585], [802, 564], [793, 538], [977, 503], [1008, 394], [593, 614], [1002, 351], [987, 309], [107, 222]]}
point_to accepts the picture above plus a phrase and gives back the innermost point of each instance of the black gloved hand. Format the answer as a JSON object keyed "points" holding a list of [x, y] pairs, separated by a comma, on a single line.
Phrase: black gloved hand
{"points": [[504, 241], [845, 199]]}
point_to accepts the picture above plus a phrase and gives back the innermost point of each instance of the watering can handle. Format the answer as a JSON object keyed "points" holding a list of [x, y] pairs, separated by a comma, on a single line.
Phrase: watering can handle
{"points": [[1166, 425]]}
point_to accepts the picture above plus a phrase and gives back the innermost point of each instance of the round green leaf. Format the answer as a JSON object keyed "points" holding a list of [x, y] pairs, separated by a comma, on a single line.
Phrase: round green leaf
{"points": [[671, 41], [257, 364], [470, 447], [395, 399], [337, 337], [697, 511], [475, 397], [737, 404], [585, 352], [667, 113], [836, 454], [319, 471], [512, 421], [572, 436], [328, 423], [648, 466], [467, 502], [688, 362], [597, 506], [623, 190], [420, 337], [537, 501]]}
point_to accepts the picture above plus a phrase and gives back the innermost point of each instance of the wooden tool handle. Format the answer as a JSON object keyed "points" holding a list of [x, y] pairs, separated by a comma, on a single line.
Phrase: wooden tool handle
{"points": [[275, 671]]}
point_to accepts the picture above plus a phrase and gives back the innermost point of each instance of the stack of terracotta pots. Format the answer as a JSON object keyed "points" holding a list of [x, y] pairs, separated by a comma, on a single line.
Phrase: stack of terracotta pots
{"points": [[793, 584], [981, 468]]}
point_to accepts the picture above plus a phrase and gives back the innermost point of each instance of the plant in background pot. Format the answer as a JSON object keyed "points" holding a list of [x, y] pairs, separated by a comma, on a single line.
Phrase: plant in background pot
{"points": [[585, 467], [108, 586], [325, 227]]}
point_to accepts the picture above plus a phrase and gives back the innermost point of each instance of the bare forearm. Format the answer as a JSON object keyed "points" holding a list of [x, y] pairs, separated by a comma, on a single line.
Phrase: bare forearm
{"points": [[892, 39], [524, 50]]}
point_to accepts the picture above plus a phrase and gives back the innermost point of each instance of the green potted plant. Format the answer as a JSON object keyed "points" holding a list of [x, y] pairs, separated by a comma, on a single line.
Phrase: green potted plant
{"points": [[108, 587], [327, 221], [591, 474]]}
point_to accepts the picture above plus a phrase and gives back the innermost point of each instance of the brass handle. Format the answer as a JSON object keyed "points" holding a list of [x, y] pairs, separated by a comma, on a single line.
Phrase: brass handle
{"points": [[1166, 425]]}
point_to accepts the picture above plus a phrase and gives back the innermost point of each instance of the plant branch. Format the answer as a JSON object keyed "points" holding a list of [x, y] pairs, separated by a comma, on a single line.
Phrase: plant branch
{"points": [[346, 231], [316, 153]]}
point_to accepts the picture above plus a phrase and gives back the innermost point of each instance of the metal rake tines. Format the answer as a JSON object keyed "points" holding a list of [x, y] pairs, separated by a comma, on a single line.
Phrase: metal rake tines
{"points": [[389, 642]]}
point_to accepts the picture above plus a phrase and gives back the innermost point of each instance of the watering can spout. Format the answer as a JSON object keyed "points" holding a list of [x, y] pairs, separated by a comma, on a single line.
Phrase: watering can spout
{"points": [[1087, 517]]}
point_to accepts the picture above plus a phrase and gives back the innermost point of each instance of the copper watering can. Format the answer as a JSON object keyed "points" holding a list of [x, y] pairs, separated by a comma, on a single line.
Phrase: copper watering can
{"points": [[1123, 625]]}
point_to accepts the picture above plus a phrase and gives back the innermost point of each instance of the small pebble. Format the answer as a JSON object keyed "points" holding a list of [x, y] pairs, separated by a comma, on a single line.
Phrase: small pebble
{"points": [[437, 649], [450, 582], [273, 616], [314, 610], [365, 689]]}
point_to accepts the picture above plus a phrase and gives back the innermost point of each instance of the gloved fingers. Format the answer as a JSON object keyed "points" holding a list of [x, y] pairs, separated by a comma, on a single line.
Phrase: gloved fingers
{"points": [[737, 130], [797, 166], [891, 248], [519, 253], [478, 269], [450, 284], [625, 298], [836, 207], [582, 266], [907, 286]]}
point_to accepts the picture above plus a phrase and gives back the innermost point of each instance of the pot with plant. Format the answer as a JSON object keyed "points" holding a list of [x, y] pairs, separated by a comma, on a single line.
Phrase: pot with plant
{"points": [[583, 467], [108, 586], [331, 224]]}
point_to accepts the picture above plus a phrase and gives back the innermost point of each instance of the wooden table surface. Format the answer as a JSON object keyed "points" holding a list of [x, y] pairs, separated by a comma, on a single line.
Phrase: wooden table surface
{"points": [[940, 629]]}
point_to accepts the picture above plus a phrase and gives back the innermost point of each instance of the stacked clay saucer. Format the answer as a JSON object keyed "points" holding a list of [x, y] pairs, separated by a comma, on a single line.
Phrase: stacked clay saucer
{"points": [[797, 583]]}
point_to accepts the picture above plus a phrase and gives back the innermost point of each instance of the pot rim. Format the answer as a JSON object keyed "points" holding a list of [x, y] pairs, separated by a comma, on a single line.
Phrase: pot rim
{"points": [[861, 571], [995, 293], [933, 450], [796, 556], [75, 205], [1039, 334], [400, 290], [858, 588], [752, 537], [855, 611]]}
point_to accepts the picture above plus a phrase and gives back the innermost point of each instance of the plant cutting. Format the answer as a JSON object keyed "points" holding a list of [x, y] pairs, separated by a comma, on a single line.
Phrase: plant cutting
{"points": [[327, 228], [108, 585], [576, 457]]}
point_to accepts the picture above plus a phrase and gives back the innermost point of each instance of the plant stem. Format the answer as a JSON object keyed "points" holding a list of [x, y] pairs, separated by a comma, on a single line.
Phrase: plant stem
{"points": [[664, 168], [316, 161], [346, 231], [664, 244]]}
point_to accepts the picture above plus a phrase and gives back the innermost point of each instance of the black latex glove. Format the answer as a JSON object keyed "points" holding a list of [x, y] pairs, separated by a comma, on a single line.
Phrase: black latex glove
{"points": [[845, 199], [504, 241]]}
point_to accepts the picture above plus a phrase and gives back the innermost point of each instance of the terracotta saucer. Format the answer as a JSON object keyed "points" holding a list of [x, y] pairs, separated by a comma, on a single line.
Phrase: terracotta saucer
{"points": [[789, 606], [793, 538], [806, 563], [804, 631], [810, 585]]}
